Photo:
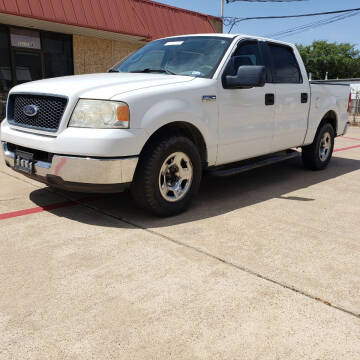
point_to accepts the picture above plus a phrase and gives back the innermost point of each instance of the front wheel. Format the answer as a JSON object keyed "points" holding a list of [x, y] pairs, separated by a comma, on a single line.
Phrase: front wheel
{"points": [[168, 176], [318, 155]]}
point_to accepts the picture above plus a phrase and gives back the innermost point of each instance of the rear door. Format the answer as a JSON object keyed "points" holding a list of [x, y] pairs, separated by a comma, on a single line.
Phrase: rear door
{"points": [[292, 97]]}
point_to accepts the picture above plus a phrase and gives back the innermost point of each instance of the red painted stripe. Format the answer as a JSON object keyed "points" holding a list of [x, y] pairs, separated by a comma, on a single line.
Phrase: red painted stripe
{"points": [[49, 207], [350, 138], [347, 148], [34, 210]]}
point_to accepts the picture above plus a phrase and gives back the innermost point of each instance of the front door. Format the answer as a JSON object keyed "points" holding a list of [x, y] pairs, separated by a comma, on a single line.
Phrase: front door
{"points": [[246, 116], [27, 65]]}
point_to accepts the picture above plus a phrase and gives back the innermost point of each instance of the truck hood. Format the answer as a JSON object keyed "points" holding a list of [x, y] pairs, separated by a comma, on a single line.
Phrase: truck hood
{"points": [[99, 86]]}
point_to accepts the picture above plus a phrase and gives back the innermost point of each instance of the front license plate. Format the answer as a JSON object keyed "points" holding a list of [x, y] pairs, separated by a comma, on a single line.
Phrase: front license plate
{"points": [[24, 161]]}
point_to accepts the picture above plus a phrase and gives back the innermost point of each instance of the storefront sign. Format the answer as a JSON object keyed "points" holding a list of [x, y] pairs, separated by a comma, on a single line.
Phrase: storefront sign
{"points": [[25, 38]]}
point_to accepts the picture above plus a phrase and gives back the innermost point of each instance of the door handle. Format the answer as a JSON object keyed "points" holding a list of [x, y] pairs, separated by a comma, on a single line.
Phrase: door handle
{"points": [[304, 98], [269, 99]]}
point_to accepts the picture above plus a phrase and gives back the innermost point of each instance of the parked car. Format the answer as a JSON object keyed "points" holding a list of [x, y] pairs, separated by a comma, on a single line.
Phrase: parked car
{"points": [[172, 110]]}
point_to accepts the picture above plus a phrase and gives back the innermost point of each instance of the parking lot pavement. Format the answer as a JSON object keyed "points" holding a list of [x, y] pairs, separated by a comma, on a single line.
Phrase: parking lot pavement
{"points": [[264, 266]]}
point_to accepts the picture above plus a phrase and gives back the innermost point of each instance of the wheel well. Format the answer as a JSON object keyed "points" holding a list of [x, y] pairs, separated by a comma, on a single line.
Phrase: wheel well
{"points": [[180, 128], [331, 118]]}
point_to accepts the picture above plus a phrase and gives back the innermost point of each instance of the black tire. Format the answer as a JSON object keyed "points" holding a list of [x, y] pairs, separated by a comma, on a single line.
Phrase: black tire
{"points": [[146, 187], [313, 156]]}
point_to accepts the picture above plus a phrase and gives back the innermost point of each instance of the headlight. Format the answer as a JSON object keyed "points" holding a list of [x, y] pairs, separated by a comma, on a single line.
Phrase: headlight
{"points": [[101, 114]]}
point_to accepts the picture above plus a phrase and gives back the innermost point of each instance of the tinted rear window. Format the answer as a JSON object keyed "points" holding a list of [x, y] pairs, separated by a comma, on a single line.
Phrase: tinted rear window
{"points": [[285, 68]]}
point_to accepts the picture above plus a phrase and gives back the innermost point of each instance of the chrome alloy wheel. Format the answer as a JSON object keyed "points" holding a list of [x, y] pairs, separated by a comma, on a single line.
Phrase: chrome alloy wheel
{"points": [[176, 175], [325, 146]]}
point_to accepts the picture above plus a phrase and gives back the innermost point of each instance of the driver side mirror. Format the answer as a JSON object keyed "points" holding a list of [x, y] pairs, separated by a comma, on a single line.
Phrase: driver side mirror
{"points": [[248, 76]]}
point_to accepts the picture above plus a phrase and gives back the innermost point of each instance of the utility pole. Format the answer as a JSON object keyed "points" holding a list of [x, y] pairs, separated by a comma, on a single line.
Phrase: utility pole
{"points": [[222, 14]]}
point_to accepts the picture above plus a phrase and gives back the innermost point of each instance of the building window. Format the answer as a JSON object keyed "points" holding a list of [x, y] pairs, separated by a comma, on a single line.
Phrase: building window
{"points": [[58, 57], [24, 38]]}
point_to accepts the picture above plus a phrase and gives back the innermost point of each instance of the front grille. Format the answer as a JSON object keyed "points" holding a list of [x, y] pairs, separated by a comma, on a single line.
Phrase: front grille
{"points": [[48, 117]]}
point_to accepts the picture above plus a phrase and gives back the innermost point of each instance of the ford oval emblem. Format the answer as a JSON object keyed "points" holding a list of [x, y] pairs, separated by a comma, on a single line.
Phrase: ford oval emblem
{"points": [[31, 110]]}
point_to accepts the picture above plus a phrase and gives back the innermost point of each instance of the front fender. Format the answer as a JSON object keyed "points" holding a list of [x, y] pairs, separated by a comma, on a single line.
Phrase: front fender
{"points": [[151, 109], [169, 111]]}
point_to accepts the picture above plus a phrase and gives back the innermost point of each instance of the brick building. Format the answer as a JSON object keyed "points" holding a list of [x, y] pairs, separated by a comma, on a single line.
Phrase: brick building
{"points": [[48, 38]]}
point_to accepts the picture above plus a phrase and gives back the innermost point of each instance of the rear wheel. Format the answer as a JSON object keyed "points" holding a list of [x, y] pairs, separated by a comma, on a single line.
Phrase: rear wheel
{"points": [[168, 176], [318, 155]]}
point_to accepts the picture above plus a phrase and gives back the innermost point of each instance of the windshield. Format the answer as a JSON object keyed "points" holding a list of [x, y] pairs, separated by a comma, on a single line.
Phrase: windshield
{"points": [[192, 56]]}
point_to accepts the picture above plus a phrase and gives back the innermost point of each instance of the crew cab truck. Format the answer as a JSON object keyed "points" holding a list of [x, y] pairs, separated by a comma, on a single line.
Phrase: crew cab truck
{"points": [[177, 107]]}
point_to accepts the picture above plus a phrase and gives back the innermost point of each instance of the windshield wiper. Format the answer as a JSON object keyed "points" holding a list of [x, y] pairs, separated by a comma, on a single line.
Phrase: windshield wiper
{"points": [[148, 70], [113, 70]]}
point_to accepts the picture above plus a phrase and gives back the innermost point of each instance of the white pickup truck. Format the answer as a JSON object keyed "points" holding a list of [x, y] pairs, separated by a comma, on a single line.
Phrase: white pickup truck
{"points": [[170, 111]]}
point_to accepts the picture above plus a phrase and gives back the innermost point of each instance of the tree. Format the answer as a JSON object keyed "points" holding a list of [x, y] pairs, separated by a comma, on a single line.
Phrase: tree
{"points": [[340, 60]]}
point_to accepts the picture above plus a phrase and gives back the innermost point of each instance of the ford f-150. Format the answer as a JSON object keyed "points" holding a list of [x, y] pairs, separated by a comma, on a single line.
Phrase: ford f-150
{"points": [[177, 107]]}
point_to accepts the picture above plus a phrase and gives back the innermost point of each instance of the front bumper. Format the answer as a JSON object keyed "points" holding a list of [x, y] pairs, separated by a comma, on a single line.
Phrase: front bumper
{"points": [[78, 173]]}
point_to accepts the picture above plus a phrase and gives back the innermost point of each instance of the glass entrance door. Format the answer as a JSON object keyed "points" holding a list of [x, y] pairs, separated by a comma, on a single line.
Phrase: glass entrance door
{"points": [[28, 65], [6, 76], [28, 54]]}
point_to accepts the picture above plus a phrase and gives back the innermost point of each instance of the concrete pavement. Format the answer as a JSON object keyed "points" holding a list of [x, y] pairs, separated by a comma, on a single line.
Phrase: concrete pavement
{"points": [[265, 265]]}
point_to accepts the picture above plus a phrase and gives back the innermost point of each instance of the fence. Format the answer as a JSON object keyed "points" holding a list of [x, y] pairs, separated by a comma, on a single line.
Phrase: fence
{"points": [[355, 107]]}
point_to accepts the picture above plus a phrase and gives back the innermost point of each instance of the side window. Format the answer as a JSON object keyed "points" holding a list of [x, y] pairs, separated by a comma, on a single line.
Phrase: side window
{"points": [[247, 53], [285, 66]]}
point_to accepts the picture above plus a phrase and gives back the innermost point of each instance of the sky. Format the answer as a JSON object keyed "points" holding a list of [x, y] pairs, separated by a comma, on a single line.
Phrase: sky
{"points": [[347, 30]]}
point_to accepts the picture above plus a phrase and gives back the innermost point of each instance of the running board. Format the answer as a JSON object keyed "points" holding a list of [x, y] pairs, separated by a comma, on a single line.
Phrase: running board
{"points": [[246, 165]]}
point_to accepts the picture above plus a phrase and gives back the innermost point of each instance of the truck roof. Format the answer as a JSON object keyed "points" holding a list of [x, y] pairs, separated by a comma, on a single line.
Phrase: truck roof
{"points": [[234, 36]]}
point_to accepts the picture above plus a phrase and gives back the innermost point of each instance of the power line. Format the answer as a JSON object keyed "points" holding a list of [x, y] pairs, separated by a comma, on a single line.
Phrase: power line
{"points": [[231, 1], [312, 25], [232, 21]]}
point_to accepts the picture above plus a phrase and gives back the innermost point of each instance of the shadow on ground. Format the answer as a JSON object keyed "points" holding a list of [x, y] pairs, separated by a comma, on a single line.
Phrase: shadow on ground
{"points": [[217, 195]]}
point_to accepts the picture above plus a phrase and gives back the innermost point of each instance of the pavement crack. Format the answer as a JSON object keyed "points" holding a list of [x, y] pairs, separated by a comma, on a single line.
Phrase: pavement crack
{"points": [[20, 179], [9, 199], [218, 258]]}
